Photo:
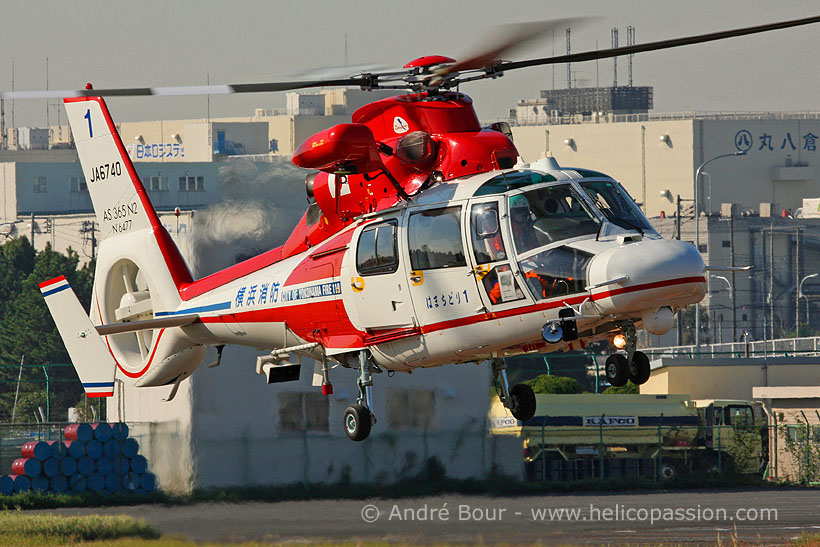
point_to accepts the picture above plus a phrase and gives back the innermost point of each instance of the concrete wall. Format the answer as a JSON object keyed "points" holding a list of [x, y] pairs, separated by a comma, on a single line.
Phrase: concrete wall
{"points": [[238, 439], [8, 192]]}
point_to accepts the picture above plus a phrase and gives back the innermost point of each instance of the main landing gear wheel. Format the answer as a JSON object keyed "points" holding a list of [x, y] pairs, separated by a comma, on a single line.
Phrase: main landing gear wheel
{"points": [[357, 422], [639, 368], [523, 402], [617, 370]]}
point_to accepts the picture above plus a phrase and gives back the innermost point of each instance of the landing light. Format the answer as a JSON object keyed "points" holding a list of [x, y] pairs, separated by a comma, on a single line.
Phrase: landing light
{"points": [[619, 341]]}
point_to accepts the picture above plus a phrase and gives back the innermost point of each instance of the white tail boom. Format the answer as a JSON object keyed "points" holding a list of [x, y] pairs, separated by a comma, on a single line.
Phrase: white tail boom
{"points": [[94, 363]]}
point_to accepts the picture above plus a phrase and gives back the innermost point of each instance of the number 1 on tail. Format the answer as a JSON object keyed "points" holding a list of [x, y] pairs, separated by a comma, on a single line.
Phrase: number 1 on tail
{"points": [[88, 117]]}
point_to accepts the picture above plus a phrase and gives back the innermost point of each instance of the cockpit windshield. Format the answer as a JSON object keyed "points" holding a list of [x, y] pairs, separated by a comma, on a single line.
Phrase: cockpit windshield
{"points": [[546, 215], [617, 205]]}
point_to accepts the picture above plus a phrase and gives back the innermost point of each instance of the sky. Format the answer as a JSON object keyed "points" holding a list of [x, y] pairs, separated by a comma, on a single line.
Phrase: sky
{"points": [[186, 42]]}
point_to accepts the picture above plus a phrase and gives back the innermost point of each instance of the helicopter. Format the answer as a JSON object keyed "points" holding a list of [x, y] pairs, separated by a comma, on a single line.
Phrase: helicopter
{"points": [[427, 240]]}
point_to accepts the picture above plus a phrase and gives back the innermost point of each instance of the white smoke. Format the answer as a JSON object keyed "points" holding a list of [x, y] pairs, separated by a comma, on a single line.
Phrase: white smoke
{"points": [[260, 204]]}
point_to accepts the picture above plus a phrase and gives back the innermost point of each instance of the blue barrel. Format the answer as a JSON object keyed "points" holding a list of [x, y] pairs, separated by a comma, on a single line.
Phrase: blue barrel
{"points": [[102, 431], [112, 448], [96, 482], [113, 483], [119, 431], [51, 468], [6, 485], [86, 466], [21, 483], [77, 483], [82, 432], [104, 465], [122, 465], [148, 482], [93, 449], [58, 449], [58, 484], [139, 464], [130, 481], [39, 484], [30, 467], [68, 466], [75, 449], [39, 450], [130, 447]]}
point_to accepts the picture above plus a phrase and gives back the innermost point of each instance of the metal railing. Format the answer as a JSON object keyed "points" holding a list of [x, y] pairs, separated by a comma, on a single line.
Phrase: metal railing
{"points": [[781, 347]]}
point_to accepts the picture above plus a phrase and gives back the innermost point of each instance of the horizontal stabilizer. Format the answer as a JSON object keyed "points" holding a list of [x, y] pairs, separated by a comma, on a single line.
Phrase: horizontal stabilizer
{"points": [[147, 324], [93, 362]]}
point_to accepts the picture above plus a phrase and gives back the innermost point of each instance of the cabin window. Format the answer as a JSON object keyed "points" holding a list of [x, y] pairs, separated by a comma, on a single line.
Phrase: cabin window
{"points": [[435, 239], [377, 251]]}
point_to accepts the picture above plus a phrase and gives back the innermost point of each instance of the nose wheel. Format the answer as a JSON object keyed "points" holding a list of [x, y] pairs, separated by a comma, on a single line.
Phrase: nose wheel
{"points": [[619, 370]]}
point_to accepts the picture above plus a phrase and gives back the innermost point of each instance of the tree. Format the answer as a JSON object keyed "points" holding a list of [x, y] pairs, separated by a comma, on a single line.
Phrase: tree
{"points": [[629, 389], [546, 383], [26, 327]]}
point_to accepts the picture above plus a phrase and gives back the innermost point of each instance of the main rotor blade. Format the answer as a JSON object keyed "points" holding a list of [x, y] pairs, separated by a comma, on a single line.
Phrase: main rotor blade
{"points": [[506, 38], [654, 46], [221, 89]]}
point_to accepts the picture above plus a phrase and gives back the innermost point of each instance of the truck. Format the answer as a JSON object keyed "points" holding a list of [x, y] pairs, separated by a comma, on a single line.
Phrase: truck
{"points": [[657, 436]]}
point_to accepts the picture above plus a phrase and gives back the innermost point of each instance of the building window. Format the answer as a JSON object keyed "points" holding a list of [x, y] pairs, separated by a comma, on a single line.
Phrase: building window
{"points": [[191, 184], [702, 247], [40, 185], [78, 184], [303, 412], [411, 409], [726, 244], [156, 184]]}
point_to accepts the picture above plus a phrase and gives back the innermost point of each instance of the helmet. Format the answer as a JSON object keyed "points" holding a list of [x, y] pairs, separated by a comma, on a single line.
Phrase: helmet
{"points": [[519, 202]]}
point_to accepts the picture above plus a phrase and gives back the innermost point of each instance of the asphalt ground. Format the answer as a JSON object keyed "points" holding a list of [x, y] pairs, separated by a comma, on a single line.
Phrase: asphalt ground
{"points": [[764, 517]]}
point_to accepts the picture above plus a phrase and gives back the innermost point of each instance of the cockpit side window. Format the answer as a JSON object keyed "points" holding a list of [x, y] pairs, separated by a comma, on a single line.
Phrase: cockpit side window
{"points": [[546, 215]]}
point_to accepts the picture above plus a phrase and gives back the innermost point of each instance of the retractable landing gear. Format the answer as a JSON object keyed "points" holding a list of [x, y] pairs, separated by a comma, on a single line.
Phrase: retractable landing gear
{"points": [[358, 419], [520, 400], [634, 366]]}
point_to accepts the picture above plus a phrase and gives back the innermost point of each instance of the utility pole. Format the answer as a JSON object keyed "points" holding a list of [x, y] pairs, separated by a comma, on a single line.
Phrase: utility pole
{"points": [[797, 284], [17, 393], [771, 281], [32, 229], [732, 264]]}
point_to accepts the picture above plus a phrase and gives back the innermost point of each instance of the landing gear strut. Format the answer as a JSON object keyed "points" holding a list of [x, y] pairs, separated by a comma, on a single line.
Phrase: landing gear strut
{"points": [[358, 418], [634, 366], [520, 400]]}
